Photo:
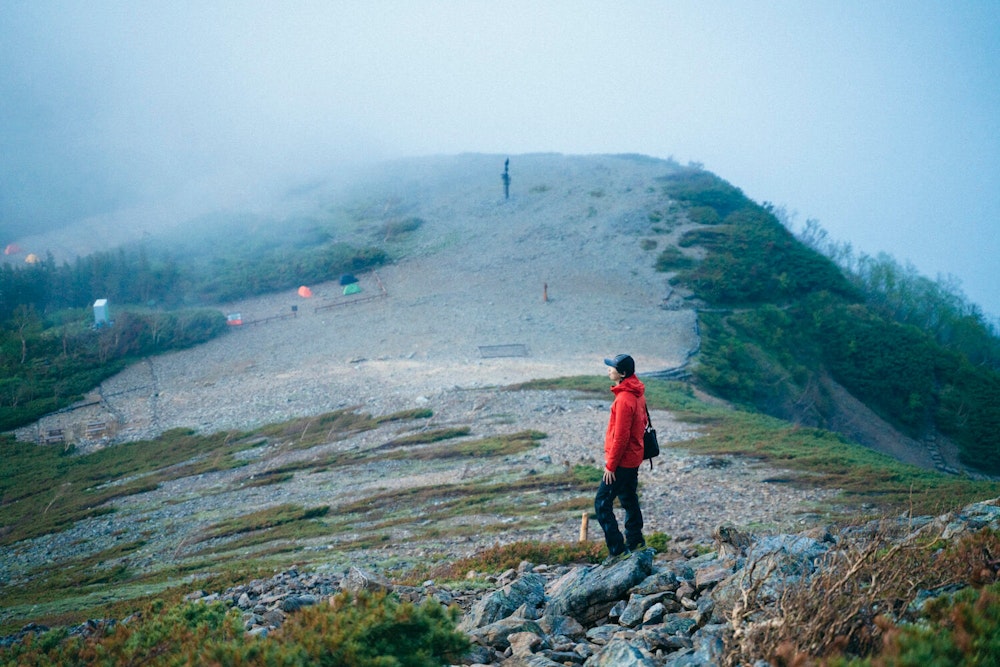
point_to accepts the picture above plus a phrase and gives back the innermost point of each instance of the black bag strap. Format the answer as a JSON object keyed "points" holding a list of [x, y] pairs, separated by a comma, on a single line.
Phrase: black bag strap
{"points": [[649, 425]]}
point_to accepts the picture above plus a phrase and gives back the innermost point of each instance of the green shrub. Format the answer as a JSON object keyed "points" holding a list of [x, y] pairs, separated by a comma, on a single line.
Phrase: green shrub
{"points": [[703, 215], [672, 259], [962, 631], [508, 556], [658, 541], [370, 630], [753, 259], [698, 187]]}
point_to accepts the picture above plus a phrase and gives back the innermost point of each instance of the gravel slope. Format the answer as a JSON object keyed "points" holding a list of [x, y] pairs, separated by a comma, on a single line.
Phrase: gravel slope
{"points": [[477, 274]]}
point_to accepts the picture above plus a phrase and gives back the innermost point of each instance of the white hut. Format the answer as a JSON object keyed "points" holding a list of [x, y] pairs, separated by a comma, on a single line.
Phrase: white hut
{"points": [[100, 313]]}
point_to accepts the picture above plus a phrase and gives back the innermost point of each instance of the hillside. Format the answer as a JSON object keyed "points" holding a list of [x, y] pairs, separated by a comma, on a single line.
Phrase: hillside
{"points": [[382, 428], [559, 276], [475, 275]]}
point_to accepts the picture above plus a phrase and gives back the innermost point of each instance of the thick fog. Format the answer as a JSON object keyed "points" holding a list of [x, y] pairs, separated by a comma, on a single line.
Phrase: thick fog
{"points": [[881, 120]]}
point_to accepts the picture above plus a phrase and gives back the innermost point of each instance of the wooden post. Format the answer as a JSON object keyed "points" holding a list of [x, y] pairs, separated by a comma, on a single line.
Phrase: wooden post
{"points": [[584, 521]]}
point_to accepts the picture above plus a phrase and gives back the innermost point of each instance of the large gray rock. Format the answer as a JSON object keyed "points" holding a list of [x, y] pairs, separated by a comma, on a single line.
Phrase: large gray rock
{"points": [[533, 660], [527, 591], [638, 604], [358, 580], [588, 593], [562, 626], [665, 580], [495, 635], [772, 563], [658, 637], [619, 653]]}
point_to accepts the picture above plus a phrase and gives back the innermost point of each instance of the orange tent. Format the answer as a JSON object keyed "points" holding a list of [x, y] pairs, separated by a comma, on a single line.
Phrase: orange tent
{"points": [[12, 249], [31, 259], [305, 292]]}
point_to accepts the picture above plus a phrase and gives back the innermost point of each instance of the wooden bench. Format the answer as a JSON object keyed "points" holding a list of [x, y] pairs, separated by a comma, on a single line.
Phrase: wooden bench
{"points": [[96, 429], [53, 436]]}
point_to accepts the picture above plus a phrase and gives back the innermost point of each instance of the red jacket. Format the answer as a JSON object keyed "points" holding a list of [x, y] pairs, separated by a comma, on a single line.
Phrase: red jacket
{"points": [[623, 441]]}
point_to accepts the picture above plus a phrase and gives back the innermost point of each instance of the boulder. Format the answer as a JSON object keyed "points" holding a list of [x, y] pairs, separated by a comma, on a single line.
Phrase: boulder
{"points": [[619, 653], [588, 593], [527, 592], [495, 635], [358, 580]]}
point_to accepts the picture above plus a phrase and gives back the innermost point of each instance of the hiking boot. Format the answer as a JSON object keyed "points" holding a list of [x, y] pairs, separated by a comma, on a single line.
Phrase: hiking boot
{"points": [[638, 547]]}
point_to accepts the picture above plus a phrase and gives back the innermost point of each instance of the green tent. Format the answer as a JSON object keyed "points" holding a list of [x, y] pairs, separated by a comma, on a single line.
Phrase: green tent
{"points": [[353, 288]]}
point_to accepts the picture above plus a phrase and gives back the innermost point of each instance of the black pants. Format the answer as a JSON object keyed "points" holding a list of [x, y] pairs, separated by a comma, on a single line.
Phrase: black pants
{"points": [[625, 489]]}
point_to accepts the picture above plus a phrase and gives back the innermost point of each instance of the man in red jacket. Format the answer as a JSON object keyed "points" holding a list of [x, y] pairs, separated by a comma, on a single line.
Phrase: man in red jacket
{"points": [[622, 458]]}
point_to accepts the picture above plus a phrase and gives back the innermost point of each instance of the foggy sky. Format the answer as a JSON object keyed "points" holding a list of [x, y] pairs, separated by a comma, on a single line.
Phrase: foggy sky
{"points": [[881, 120]]}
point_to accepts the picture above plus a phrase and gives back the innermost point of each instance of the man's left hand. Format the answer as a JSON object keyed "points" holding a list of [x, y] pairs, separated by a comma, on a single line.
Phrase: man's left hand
{"points": [[609, 476]]}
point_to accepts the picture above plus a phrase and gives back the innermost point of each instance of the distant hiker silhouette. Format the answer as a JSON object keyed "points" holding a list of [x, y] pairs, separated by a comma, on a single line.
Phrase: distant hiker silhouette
{"points": [[506, 179]]}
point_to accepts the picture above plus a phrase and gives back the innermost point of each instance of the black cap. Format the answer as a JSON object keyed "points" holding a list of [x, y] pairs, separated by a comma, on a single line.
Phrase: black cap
{"points": [[623, 363]]}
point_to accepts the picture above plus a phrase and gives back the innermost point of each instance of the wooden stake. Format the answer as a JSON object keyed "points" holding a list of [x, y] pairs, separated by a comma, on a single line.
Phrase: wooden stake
{"points": [[584, 522]]}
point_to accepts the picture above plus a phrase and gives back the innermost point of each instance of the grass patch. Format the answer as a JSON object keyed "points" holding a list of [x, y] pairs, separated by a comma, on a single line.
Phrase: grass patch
{"points": [[444, 502], [427, 437], [504, 557], [672, 259], [80, 575], [816, 457], [44, 489], [827, 460], [394, 228], [500, 445], [306, 432], [264, 519], [406, 415]]}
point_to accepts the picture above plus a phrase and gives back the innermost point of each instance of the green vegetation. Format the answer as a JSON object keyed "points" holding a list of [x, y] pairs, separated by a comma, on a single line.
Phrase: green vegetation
{"points": [[863, 607], [261, 520], [788, 321], [367, 630], [50, 354], [671, 258], [698, 188], [816, 457], [44, 489], [501, 558], [46, 364], [961, 631]]}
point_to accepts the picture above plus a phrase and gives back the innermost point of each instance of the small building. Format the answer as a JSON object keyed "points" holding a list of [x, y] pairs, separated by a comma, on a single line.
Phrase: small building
{"points": [[101, 313]]}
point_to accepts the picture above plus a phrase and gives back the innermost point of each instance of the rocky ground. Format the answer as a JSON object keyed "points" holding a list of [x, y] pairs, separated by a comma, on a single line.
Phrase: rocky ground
{"points": [[488, 293]]}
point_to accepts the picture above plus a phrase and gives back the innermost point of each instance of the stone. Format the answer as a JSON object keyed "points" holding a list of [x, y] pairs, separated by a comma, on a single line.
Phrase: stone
{"points": [[358, 580], [654, 614], [495, 634], [711, 575], [528, 591], [274, 617], [588, 593], [636, 608], [524, 643], [619, 653], [562, 626]]}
